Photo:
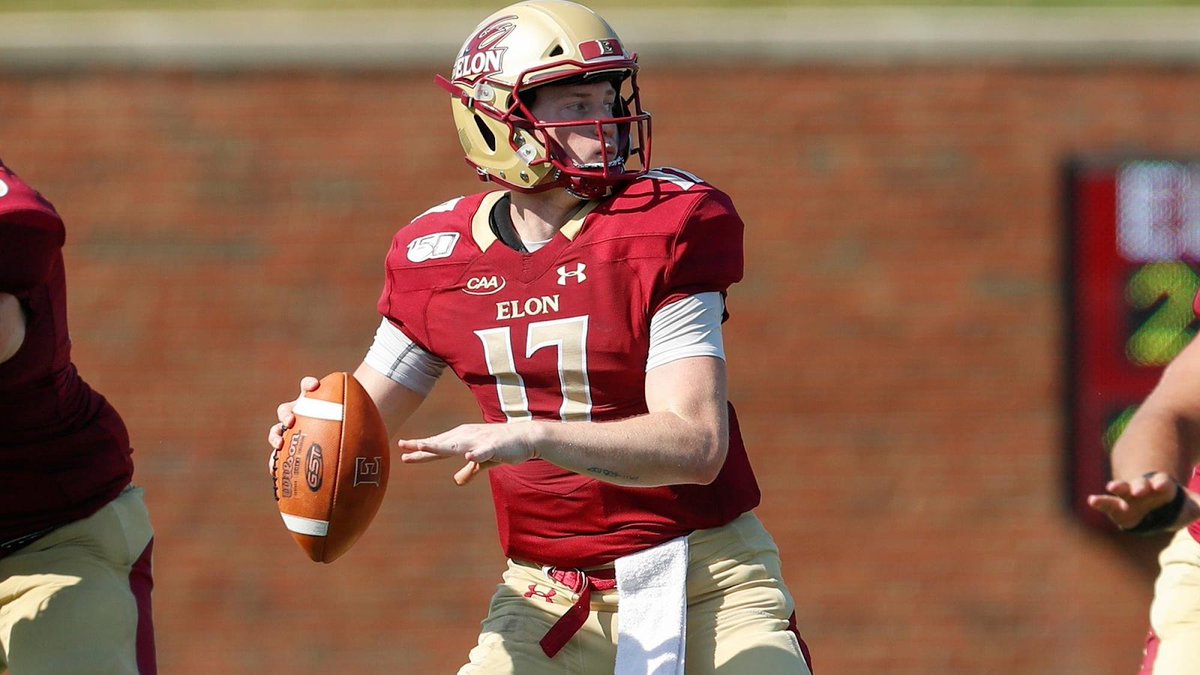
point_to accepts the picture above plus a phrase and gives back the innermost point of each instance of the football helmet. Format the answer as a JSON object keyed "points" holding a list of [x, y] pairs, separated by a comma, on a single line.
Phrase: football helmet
{"points": [[532, 44]]}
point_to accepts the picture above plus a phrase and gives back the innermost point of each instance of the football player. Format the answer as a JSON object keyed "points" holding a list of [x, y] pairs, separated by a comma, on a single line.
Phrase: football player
{"points": [[1151, 462], [75, 536], [581, 301]]}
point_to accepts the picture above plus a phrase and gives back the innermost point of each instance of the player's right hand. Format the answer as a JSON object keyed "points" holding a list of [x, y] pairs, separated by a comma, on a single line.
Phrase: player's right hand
{"points": [[286, 419]]}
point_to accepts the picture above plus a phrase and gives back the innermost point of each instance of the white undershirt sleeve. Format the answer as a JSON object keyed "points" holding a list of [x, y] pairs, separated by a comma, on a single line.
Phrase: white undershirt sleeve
{"points": [[686, 328], [397, 357]]}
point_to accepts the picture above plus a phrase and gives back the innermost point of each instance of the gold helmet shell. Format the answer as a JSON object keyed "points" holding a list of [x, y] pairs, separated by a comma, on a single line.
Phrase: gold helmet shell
{"points": [[531, 44]]}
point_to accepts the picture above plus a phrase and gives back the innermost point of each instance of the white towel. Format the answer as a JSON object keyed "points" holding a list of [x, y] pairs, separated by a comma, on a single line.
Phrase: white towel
{"points": [[652, 610]]}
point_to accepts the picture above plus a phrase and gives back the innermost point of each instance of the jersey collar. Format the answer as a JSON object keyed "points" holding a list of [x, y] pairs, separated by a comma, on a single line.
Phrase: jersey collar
{"points": [[481, 224]]}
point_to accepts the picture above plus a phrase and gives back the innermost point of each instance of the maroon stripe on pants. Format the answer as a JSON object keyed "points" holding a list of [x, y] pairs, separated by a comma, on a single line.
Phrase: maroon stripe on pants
{"points": [[803, 647], [141, 582], [1149, 654]]}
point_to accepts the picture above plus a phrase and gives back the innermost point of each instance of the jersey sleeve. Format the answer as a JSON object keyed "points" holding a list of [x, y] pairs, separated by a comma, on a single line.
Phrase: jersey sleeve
{"points": [[426, 255], [687, 328], [31, 234], [707, 254], [394, 355], [402, 298]]}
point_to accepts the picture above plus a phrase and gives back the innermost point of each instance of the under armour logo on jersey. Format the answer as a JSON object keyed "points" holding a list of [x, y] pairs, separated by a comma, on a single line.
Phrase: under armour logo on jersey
{"points": [[578, 274], [547, 594], [3, 188]]}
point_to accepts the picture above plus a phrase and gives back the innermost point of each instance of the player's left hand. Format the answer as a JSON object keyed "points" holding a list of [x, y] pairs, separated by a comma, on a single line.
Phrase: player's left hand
{"points": [[481, 445], [1128, 502]]}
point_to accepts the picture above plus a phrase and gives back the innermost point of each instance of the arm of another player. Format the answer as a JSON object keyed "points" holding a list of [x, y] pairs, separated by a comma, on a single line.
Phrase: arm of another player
{"points": [[1155, 455], [682, 439], [12, 326], [29, 241], [31, 234]]}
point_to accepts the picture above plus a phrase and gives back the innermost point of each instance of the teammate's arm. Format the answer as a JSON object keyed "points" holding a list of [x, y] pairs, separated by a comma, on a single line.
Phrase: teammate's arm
{"points": [[12, 326], [29, 241], [1155, 455]]}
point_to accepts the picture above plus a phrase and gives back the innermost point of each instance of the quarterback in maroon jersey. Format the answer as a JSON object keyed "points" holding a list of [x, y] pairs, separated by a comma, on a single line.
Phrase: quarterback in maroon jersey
{"points": [[1156, 454], [75, 537], [582, 304]]}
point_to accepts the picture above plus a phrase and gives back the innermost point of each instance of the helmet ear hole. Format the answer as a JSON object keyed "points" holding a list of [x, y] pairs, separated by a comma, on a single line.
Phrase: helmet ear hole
{"points": [[557, 51], [488, 136]]}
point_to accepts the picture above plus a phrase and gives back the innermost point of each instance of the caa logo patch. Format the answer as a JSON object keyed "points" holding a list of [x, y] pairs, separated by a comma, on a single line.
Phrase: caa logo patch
{"points": [[432, 246], [484, 285]]}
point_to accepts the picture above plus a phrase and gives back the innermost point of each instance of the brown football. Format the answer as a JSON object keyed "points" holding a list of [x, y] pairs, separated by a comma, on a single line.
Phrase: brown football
{"points": [[332, 469]]}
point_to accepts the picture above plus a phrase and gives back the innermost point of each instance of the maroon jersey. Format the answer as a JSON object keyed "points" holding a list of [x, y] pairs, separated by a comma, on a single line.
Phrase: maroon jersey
{"points": [[563, 334], [64, 452]]}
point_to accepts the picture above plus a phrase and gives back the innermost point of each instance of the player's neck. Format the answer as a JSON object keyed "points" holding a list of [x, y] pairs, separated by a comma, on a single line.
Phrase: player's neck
{"points": [[539, 216]]}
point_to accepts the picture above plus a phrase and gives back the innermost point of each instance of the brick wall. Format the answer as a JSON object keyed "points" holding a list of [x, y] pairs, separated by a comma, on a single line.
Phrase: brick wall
{"points": [[895, 349]]}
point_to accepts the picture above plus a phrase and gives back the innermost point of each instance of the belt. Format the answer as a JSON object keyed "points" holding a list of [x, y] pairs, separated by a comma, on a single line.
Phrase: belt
{"points": [[13, 545], [581, 583]]}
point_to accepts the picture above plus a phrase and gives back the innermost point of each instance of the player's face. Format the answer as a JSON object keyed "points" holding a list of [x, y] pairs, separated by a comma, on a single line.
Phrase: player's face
{"points": [[583, 103]]}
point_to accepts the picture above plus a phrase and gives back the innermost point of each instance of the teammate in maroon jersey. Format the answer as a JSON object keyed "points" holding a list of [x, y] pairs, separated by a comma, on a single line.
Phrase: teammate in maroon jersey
{"points": [[1157, 452], [582, 304], [75, 537]]}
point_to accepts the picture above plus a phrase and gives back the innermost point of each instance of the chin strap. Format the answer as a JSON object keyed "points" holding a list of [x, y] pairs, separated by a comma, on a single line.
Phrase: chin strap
{"points": [[579, 191]]}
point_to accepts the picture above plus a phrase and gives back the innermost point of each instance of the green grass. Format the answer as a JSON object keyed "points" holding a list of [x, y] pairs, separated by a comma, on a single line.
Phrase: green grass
{"points": [[489, 5]]}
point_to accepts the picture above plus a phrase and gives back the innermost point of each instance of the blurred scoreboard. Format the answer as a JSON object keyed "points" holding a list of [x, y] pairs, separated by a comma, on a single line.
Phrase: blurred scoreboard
{"points": [[1133, 269]]}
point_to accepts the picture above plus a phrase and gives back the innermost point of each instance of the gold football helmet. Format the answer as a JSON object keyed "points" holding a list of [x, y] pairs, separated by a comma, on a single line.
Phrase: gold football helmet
{"points": [[531, 44]]}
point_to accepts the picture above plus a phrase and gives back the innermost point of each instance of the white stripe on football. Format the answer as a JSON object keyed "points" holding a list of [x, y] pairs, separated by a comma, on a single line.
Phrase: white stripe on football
{"points": [[318, 409], [309, 526]]}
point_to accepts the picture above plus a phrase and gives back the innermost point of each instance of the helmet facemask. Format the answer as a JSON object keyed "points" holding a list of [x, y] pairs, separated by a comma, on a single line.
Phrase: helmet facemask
{"points": [[631, 138]]}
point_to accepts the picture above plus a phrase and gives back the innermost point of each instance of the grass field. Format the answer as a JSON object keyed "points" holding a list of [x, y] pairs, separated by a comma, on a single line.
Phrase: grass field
{"points": [[84, 5]]}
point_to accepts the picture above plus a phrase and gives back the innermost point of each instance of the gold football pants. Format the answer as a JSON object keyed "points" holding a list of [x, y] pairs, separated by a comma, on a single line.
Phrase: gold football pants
{"points": [[1173, 647], [78, 599], [740, 615]]}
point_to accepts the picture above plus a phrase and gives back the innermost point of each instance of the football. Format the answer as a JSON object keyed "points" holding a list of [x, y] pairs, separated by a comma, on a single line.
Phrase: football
{"points": [[332, 469]]}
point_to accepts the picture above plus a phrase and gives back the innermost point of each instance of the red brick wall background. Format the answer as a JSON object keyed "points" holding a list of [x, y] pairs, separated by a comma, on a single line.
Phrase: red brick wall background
{"points": [[896, 347]]}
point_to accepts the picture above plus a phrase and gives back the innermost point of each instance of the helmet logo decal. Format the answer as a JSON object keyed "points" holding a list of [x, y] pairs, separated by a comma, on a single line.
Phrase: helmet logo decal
{"points": [[482, 54], [599, 49]]}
